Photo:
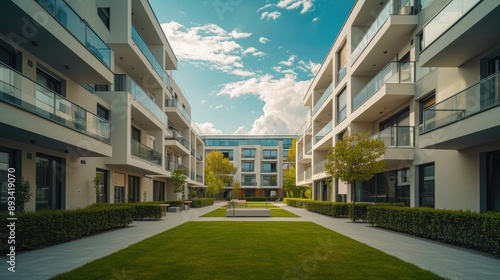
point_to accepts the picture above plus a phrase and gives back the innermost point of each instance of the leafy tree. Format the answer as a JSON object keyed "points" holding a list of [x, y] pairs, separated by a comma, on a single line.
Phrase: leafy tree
{"points": [[355, 158], [179, 179], [217, 168], [292, 152], [236, 189], [289, 175], [23, 193]]}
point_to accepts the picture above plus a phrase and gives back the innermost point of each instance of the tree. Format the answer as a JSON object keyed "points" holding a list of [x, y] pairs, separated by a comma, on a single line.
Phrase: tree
{"points": [[217, 168], [179, 179], [292, 152], [23, 193], [355, 158], [289, 175], [236, 189]]}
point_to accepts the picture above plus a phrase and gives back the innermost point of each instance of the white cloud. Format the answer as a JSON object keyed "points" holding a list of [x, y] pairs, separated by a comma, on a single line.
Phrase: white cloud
{"points": [[259, 54], [207, 45], [208, 128], [309, 67], [307, 5], [263, 40], [249, 50], [288, 62], [276, 118], [315, 19], [243, 73], [241, 130], [265, 7], [270, 15], [219, 107], [203, 101]]}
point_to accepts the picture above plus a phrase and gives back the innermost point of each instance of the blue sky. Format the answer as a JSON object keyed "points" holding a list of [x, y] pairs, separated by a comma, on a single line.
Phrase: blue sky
{"points": [[245, 65]]}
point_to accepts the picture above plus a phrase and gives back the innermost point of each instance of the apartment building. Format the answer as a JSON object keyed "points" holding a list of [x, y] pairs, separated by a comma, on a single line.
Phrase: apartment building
{"points": [[423, 77], [259, 160], [86, 91]]}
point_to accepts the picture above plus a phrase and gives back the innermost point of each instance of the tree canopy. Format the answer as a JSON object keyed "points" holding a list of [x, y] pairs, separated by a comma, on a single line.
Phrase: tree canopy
{"points": [[179, 180], [217, 168]]}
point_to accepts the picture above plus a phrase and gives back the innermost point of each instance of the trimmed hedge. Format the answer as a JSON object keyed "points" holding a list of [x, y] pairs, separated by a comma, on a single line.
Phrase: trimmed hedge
{"points": [[50, 227], [296, 202], [146, 211], [260, 198], [202, 202], [480, 231]]}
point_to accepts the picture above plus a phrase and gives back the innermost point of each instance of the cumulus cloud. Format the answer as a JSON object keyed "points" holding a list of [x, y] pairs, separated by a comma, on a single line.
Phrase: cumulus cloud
{"points": [[249, 50], [288, 62], [243, 73], [276, 118], [315, 19], [309, 66], [270, 15], [263, 40], [241, 130], [307, 5], [207, 44], [208, 128], [265, 7], [259, 54]]}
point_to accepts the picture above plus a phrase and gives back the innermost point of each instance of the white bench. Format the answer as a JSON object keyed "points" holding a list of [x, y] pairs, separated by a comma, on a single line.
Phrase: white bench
{"points": [[238, 202], [248, 212]]}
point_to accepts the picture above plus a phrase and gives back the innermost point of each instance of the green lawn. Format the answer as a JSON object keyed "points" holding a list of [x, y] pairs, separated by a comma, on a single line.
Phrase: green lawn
{"points": [[275, 212], [248, 250]]}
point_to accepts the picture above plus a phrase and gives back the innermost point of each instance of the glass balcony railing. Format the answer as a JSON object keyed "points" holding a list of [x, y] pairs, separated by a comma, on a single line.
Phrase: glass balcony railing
{"points": [[199, 178], [323, 132], [24, 93], [394, 72], [78, 27], [141, 44], [342, 72], [341, 115], [178, 166], [320, 166], [324, 97], [393, 7], [247, 169], [397, 136], [179, 138], [142, 151], [445, 19], [176, 104], [143, 98], [472, 100]]}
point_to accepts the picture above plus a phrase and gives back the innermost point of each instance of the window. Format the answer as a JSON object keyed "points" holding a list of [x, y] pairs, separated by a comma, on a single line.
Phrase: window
{"points": [[119, 187], [50, 183], [248, 153], [8, 57], [342, 63], [102, 176], [134, 189], [341, 106], [427, 117], [136, 134], [427, 185], [102, 112], [248, 166], [227, 154], [270, 154], [269, 167], [249, 180], [285, 154], [104, 15], [269, 181], [45, 79], [249, 193], [158, 191]]}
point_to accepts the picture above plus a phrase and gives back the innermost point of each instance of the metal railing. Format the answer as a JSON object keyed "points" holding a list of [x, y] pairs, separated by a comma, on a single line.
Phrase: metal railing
{"points": [[141, 44], [394, 72], [144, 152], [323, 132], [79, 28], [323, 97], [397, 136], [176, 104], [342, 72], [470, 101], [143, 98], [393, 7], [179, 138], [19, 90], [320, 166], [445, 19]]}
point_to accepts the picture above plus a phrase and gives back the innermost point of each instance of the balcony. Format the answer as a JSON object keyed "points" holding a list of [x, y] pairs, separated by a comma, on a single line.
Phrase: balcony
{"points": [[388, 89], [323, 132], [178, 114], [199, 178], [399, 142], [324, 97], [269, 170], [385, 37], [320, 167], [144, 152], [466, 119], [41, 29], [341, 73], [177, 143], [458, 24], [247, 169], [59, 123], [141, 44]]}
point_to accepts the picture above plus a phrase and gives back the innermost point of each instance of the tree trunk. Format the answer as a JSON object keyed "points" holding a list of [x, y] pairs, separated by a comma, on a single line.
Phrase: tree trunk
{"points": [[353, 190]]}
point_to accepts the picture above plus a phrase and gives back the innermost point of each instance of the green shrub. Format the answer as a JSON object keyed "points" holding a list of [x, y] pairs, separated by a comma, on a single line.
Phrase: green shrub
{"points": [[202, 202], [147, 211], [479, 231], [296, 202], [260, 198], [174, 203], [50, 227]]}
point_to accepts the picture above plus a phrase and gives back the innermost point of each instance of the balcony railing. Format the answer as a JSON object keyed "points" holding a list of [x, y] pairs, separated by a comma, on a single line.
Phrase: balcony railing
{"points": [[308, 148], [341, 115], [176, 104], [247, 169], [142, 151], [470, 101], [445, 19], [178, 166], [269, 170], [245, 183], [199, 178], [342, 72], [24, 93], [143, 98], [394, 72], [397, 136], [179, 138], [320, 166], [78, 27], [324, 96], [323, 132], [141, 44], [393, 7]]}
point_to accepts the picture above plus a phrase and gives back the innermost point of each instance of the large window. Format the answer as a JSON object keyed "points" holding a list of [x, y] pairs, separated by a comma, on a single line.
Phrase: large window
{"points": [[49, 81], [270, 154], [342, 63], [50, 183], [104, 15], [269, 180], [134, 189], [493, 181], [227, 154], [427, 185], [341, 106], [103, 177], [158, 191], [248, 166], [248, 153], [119, 188], [249, 180], [269, 167]]}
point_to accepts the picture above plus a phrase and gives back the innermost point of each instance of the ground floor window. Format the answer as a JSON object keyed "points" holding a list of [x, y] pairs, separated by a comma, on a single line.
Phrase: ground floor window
{"points": [[391, 186], [158, 191], [493, 181], [102, 176], [50, 182], [134, 189], [427, 185], [249, 193]]}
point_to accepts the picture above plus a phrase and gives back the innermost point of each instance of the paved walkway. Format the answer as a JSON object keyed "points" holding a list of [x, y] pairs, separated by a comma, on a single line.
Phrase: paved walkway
{"points": [[447, 261]]}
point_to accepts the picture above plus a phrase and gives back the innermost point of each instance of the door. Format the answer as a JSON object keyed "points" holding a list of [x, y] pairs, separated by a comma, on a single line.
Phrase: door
{"points": [[493, 181], [49, 182], [134, 189], [102, 176], [119, 188]]}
